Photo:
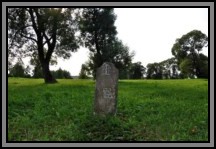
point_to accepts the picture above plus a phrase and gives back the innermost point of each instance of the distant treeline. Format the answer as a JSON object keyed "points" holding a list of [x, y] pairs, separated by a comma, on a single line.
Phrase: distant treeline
{"points": [[167, 69], [18, 70]]}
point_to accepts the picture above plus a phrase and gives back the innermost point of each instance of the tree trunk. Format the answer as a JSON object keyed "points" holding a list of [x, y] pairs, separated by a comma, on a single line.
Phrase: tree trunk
{"points": [[48, 78]]}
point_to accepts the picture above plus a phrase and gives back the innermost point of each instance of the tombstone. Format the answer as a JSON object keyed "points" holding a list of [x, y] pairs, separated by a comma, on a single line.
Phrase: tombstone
{"points": [[106, 89]]}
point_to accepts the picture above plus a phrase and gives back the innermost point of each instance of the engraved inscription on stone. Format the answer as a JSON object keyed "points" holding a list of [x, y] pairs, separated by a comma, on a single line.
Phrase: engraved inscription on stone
{"points": [[107, 94], [106, 89], [106, 69]]}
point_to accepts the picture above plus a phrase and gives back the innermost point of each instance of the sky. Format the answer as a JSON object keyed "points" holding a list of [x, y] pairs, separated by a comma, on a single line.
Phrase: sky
{"points": [[150, 32]]}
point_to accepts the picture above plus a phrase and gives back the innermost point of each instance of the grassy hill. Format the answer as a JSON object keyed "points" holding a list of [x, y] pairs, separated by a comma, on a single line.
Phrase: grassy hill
{"points": [[147, 110]]}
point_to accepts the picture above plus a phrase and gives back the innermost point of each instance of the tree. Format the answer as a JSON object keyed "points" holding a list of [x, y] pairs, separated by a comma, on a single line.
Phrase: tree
{"points": [[137, 70], [203, 66], [154, 71], [170, 68], [45, 30], [61, 74], [122, 58], [166, 69], [119, 55], [83, 72], [38, 71], [98, 33], [186, 50], [18, 69], [186, 67], [66, 74]]}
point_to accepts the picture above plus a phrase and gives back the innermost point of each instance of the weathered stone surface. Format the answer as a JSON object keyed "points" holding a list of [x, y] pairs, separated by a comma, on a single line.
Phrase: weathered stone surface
{"points": [[106, 89]]}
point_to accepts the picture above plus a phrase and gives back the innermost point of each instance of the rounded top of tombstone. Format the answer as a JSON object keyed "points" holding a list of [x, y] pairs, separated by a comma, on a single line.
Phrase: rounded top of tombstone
{"points": [[107, 69], [108, 63]]}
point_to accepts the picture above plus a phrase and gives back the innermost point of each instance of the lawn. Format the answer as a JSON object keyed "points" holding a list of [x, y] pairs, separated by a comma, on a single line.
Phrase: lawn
{"points": [[147, 110]]}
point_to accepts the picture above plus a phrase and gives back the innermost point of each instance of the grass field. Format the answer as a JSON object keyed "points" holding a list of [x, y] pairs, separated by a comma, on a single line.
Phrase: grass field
{"points": [[147, 110]]}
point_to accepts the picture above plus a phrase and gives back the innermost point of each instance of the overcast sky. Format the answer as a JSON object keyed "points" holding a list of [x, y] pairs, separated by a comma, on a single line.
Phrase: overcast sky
{"points": [[150, 32]]}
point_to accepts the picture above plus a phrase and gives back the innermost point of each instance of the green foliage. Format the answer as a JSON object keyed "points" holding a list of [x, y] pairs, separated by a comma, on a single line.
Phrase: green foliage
{"points": [[53, 24], [187, 68], [154, 71], [61, 74], [30, 30], [97, 28], [18, 70], [188, 47], [37, 71], [137, 71], [83, 72], [147, 110], [170, 68], [98, 34], [119, 55], [203, 66]]}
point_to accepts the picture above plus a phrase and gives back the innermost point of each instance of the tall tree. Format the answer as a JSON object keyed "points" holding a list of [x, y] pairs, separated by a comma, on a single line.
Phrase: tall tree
{"points": [[84, 72], [98, 33], [154, 71], [187, 51], [122, 58], [50, 30], [137, 70], [38, 71], [202, 66]]}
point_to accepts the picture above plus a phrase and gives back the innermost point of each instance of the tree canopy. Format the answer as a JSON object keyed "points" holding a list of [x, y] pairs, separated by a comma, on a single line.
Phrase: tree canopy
{"points": [[47, 31], [98, 34], [84, 72], [18, 70], [187, 52]]}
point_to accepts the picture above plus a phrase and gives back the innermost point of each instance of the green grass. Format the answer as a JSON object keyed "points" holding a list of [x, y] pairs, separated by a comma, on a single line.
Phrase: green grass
{"points": [[147, 110]]}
